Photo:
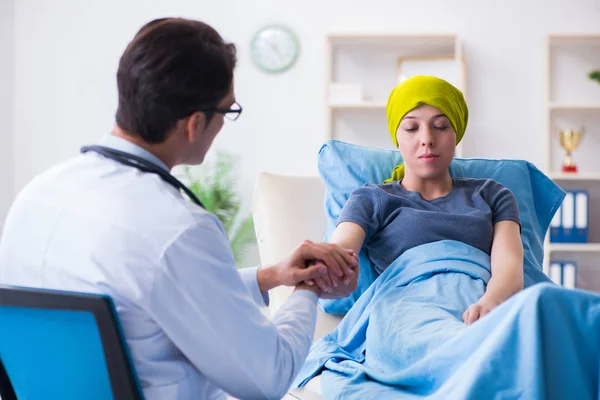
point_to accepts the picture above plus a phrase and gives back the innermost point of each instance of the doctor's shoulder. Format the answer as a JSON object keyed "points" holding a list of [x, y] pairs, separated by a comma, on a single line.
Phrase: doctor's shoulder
{"points": [[51, 177], [200, 217]]}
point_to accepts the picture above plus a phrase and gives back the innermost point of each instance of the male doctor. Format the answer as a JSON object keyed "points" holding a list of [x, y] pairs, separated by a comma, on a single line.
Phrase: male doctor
{"points": [[113, 220]]}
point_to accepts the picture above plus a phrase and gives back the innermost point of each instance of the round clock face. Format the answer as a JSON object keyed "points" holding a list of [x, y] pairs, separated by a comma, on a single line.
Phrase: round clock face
{"points": [[274, 49]]}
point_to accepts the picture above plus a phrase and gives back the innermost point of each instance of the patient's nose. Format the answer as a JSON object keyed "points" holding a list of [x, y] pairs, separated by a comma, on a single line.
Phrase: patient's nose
{"points": [[427, 139]]}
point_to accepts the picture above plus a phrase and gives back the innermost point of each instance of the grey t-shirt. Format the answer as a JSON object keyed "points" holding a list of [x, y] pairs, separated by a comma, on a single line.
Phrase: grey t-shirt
{"points": [[396, 219]]}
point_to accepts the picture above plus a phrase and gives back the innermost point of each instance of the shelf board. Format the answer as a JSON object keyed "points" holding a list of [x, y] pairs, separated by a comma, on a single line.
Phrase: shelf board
{"points": [[575, 107], [574, 38], [574, 247], [585, 176], [366, 105], [352, 37]]}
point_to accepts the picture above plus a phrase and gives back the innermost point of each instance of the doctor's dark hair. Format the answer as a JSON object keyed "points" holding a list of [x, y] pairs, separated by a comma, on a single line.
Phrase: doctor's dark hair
{"points": [[172, 68]]}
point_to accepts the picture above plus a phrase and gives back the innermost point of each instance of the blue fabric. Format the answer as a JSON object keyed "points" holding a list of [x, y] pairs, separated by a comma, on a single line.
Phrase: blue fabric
{"points": [[405, 339], [396, 219], [346, 167]]}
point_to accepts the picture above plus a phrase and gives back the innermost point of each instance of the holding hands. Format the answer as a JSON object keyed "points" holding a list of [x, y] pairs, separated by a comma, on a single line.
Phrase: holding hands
{"points": [[327, 269]]}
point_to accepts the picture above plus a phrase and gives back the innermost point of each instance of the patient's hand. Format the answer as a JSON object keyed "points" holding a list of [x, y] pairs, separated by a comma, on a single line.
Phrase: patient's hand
{"points": [[479, 309], [335, 288]]}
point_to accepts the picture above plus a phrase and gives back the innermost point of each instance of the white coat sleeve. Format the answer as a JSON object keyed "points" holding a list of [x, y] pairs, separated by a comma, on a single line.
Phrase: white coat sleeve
{"points": [[201, 303], [249, 277]]}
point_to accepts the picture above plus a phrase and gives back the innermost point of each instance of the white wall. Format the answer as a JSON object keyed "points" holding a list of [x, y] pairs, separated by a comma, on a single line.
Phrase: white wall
{"points": [[67, 53], [7, 62]]}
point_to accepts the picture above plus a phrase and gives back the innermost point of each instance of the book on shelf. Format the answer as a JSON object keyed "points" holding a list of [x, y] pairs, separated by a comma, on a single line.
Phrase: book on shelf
{"points": [[570, 223], [564, 273]]}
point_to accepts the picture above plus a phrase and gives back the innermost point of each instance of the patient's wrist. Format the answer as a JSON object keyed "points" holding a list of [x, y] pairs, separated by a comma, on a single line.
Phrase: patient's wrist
{"points": [[498, 292]]}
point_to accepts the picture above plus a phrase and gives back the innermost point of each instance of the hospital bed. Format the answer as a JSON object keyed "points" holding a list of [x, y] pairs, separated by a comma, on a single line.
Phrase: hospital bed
{"points": [[287, 210]]}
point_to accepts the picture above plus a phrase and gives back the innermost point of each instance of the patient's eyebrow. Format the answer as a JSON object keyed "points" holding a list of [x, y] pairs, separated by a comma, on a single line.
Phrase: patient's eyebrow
{"points": [[435, 116]]}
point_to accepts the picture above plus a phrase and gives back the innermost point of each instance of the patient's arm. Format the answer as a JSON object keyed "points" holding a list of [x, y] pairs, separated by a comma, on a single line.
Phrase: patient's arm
{"points": [[350, 236], [507, 270]]}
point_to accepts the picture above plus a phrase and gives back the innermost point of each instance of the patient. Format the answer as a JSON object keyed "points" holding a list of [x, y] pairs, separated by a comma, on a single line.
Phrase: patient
{"points": [[448, 251], [422, 203]]}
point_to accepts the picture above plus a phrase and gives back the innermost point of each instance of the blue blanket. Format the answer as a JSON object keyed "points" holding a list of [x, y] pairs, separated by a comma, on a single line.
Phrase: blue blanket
{"points": [[405, 339]]}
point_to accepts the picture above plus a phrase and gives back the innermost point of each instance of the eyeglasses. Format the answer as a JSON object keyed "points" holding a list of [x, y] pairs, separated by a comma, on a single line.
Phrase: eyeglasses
{"points": [[231, 114]]}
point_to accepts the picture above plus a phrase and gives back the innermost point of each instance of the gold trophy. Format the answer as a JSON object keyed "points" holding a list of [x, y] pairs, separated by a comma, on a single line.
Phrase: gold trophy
{"points": [[569, 140]]}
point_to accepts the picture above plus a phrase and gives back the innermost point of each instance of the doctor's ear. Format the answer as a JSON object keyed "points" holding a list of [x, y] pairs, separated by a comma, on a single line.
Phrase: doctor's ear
{"points": [[195, 126]]}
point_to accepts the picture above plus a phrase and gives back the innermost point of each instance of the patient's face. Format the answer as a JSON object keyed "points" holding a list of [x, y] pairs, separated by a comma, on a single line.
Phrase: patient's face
{"points": [[427, 141]]}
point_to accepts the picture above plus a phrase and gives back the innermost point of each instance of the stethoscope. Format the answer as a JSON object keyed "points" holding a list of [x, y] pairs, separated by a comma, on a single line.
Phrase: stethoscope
{"points": [[143, 165]]}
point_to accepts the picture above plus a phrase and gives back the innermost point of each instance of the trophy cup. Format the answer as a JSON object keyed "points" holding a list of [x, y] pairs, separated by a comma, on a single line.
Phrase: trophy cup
{"points": [[569, 140]]}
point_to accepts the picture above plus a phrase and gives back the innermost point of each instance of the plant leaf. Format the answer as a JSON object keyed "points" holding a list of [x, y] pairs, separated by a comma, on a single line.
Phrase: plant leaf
{"points": [[243, 236], [213, 182]]}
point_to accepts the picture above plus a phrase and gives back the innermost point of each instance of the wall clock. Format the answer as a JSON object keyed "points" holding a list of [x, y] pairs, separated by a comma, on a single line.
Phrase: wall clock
{"points": [[274, 48]]}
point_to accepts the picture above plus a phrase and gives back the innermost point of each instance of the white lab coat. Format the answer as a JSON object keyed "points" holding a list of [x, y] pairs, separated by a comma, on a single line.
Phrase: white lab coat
{"points": [[191, 319]]}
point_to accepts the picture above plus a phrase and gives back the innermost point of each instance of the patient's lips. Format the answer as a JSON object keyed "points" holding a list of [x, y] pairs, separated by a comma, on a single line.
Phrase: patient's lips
{"points": [[429, 157]]}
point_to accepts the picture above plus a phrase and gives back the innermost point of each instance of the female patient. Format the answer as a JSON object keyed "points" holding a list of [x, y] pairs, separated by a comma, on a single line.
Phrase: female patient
{"points": [[422, 203]]}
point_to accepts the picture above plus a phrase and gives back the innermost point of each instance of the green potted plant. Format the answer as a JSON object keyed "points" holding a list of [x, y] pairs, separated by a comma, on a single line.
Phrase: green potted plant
{"points": [[595, 75], [214, 183]]}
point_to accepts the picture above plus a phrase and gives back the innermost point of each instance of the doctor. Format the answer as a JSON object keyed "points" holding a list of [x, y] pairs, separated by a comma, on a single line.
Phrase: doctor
{"points": [[113, 220]]}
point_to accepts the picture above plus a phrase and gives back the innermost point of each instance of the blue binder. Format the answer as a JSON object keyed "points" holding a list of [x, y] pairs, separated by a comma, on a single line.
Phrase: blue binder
{"points": [[570, 223], [555, 272], [563, 273], [556, 226], [567, 234], [569, 274], [580, 233]]}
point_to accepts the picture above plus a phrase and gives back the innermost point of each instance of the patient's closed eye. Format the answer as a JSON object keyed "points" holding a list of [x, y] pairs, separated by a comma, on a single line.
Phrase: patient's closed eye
{"points": [[440, 122], [411, 128]]}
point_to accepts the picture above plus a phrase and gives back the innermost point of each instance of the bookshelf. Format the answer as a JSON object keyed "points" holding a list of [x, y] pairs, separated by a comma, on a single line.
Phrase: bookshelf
{"points": [[363, 68], [572, 101]]}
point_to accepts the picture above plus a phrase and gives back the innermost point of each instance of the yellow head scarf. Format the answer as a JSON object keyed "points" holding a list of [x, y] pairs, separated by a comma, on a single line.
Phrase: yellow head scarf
{"points": [[425, 90]]}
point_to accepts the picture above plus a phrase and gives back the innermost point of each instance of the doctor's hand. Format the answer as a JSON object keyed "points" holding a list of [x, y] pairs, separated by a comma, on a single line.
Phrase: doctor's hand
{"points": [[479, 309]]}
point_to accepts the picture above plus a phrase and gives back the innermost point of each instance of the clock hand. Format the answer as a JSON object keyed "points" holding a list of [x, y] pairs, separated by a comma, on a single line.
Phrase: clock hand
{"points": [[276, 50]]}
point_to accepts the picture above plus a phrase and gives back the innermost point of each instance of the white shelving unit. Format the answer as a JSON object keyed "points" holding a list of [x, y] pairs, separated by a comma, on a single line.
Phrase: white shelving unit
{"points": [[369, 63], [581, 177], [573, 102], [572, 99], [574, 107], [572, 247]]}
